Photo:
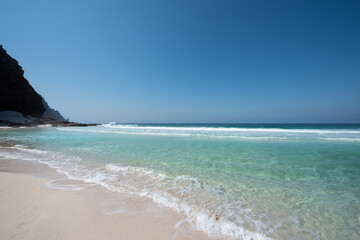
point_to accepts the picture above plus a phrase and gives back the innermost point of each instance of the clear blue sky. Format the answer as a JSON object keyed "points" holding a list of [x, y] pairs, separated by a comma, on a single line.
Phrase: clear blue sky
{"points": [[188, 60]]}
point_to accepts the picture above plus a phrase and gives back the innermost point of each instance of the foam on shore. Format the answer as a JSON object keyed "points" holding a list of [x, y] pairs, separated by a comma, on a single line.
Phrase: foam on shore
{"points": [[182, 194]]}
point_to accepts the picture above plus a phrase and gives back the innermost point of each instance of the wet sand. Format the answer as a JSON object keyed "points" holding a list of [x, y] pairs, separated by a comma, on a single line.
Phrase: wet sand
{"points": [[36, 202]]}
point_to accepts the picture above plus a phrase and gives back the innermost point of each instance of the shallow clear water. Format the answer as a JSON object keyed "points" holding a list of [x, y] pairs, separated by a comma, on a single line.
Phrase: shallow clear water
{"points": [[244, 181]]}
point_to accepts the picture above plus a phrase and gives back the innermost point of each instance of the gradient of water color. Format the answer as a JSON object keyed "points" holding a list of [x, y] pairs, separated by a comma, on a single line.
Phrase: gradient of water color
{"points": [[237, 181]]}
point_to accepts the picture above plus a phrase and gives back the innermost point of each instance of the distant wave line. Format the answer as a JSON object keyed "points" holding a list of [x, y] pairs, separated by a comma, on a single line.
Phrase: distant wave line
{"points": [[232, 129], [207, 136], [171, 134]]}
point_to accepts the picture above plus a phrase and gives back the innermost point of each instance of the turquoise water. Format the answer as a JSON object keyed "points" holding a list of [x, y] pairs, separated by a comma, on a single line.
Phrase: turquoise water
{"points": [[238, 181]]}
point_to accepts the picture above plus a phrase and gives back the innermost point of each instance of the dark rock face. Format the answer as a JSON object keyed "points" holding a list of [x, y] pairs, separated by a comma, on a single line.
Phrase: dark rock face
{"points": [[16, 93]]}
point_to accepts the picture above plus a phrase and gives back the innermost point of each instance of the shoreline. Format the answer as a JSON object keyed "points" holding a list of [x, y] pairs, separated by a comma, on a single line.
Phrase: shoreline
{"points": [[37, 202], [225, 183], [45, 123]]}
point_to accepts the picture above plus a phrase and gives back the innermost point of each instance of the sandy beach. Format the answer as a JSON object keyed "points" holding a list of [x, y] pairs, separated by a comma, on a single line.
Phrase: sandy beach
{"points": [[36, 202]]}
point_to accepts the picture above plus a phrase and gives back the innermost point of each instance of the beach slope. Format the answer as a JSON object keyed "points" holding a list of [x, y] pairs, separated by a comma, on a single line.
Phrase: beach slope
{"points": [[30, 210]]}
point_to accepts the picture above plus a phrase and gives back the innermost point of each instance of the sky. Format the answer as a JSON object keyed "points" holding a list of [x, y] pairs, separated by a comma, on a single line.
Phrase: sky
{"points": [[255, 61]]}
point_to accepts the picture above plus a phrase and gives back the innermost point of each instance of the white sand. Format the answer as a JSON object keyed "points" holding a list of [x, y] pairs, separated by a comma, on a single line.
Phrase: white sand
{"points": [[29, 209]]}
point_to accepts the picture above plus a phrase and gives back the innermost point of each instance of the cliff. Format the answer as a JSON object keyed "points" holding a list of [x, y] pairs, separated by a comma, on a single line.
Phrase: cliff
{"points": [[16, 93]]}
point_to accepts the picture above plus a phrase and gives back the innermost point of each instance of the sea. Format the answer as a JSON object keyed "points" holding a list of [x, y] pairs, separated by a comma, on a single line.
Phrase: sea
{"points": [[230, 181]]}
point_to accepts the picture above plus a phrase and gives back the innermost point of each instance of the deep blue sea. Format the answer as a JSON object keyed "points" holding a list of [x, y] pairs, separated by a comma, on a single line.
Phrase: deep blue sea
{"points": [[236, 181]]}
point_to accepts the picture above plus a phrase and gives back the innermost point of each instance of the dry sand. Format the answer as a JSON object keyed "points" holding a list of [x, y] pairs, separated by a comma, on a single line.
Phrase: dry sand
{"points": [[32, 208]]}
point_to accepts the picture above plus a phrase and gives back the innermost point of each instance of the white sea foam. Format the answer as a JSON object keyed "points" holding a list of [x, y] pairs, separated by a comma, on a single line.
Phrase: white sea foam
{"points": [[130, 133], [63, 184], [31, 150], [114, 124], [230, 129], [201, 217], [132, 170], [21, 153], [254, 134], [342, 139], [213, 136]]}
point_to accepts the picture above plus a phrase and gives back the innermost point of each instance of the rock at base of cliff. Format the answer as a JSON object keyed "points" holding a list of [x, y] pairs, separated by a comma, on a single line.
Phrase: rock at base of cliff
{"points": [[51, 113], [15, 117]]}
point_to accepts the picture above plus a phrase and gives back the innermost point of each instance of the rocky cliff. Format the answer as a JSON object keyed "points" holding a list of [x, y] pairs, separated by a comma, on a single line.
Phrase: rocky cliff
{"points": [[16, 93]]}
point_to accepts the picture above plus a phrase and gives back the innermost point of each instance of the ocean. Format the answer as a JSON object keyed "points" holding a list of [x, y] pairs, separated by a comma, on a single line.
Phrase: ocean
{"points": [[231, 181]]}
